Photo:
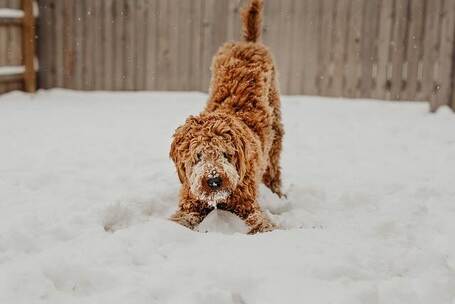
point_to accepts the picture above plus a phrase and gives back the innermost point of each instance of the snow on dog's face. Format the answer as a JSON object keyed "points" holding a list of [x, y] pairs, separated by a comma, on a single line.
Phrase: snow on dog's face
{"points": [[210, 153]]}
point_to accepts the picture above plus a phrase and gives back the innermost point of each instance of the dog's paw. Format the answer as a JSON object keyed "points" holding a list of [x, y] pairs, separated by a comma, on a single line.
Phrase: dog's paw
{"points": [[187, 219], [262, 225]]}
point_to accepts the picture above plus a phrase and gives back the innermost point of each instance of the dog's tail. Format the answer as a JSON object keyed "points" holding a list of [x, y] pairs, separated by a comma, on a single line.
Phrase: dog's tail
{"points": [[252, 20]]}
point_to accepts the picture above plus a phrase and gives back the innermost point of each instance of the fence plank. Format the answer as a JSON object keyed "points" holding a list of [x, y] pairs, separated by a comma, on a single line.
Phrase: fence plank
{"points": [[339, 49], [432, 28], [288, 64], [98, 63], [310, 51], [324, 76], [174, 37], [58, 43], [68, 48], [184, 54], [398, 48], [352, 70], [445, 57], [382, 86], [79, 41], [272, 36], [129, 45], [295, 81], [197, 30], [139, 25], [368, 46], [163, 46], [414, 49], [206, 37], [151, 52]]}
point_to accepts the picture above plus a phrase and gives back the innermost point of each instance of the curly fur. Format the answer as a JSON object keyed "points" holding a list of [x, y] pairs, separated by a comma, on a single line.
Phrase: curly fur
{"points": [[237, 138]]}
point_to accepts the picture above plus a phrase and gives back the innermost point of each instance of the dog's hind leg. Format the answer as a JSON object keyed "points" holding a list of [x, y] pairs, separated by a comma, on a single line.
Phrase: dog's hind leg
{"points": [[272, 175]]}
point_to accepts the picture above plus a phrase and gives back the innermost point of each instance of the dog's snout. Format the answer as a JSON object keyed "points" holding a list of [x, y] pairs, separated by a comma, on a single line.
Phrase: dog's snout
{"points": [[214, 182]]}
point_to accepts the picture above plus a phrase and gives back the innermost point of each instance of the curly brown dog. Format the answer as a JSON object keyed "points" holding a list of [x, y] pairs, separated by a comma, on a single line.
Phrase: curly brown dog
{"points": [[222, 154]]}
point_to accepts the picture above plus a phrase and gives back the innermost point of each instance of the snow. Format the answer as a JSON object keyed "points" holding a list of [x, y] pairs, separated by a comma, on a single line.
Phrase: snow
{"points": [[17, 13], [86, 186], [11, 13], [12, 70]]}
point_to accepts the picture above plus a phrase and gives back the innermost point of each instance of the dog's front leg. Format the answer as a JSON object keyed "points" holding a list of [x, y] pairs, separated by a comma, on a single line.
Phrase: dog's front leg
{"points": [[258, 221], [190, 213], [254, 217]]}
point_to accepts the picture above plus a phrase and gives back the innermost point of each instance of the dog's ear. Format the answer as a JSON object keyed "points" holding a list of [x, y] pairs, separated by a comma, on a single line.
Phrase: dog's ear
{"points": [[180, 146], [177, 150]]}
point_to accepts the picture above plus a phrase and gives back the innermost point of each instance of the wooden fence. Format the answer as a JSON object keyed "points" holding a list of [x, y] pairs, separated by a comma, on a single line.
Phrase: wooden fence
{"points": [[385, 49], [17, 46]]}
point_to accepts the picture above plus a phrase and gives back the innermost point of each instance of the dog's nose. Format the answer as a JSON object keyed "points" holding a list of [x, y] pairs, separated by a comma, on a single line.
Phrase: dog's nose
{"points": [[214, 182]]}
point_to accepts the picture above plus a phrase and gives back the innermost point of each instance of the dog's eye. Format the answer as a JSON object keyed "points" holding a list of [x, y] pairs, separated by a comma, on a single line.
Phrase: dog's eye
{"points": [[227, 156], [198, 157]]}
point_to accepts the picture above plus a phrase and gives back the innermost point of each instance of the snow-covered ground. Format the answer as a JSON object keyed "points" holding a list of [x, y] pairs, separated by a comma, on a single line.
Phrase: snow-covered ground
{"points": [[370, 214]]}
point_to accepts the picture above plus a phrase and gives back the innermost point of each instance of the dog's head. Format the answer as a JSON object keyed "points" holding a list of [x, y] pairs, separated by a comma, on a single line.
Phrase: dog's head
{"points": [[210, 152]]}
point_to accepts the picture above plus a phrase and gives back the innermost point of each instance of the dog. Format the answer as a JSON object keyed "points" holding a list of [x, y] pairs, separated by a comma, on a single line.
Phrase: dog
{"points": [[222, 154]]}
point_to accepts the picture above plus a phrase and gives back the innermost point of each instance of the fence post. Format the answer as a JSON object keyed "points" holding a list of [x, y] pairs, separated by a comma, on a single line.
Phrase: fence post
{"points": [[28, 42]]}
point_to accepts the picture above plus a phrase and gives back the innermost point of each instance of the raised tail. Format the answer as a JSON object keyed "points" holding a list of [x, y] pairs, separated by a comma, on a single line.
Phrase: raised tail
{"points": [[252, 20]]}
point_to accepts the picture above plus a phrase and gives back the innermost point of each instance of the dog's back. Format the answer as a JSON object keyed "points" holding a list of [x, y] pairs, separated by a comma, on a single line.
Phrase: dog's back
{"points": [[243, 77]]}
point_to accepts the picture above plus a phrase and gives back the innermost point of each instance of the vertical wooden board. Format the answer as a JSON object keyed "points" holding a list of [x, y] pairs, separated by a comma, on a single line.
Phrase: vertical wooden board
{"points": [[14, 4], [325, 44], [310, 62], [219, 26], [119, 42], [368, 46], [98, 18], [205, 59], [152, 47], [272, 11], [383, 49], [3, 45], [108, 44], [15, 47], [52, 45], [292, 65], [15, 52], [352, 70], [58, 40], [174, 44], [296, 35], [44, 44], [214, 35], [197, 8], [4, 4], [129, 45], [184, 45], [431, 46], [233, 20], [3, 52], [89, 46], [414, 48], [279, 10], [79, 40], [443, 78], [68, 47], [398, 48], [16, 57], [140, 30], [339, 47], [163, 47]]}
